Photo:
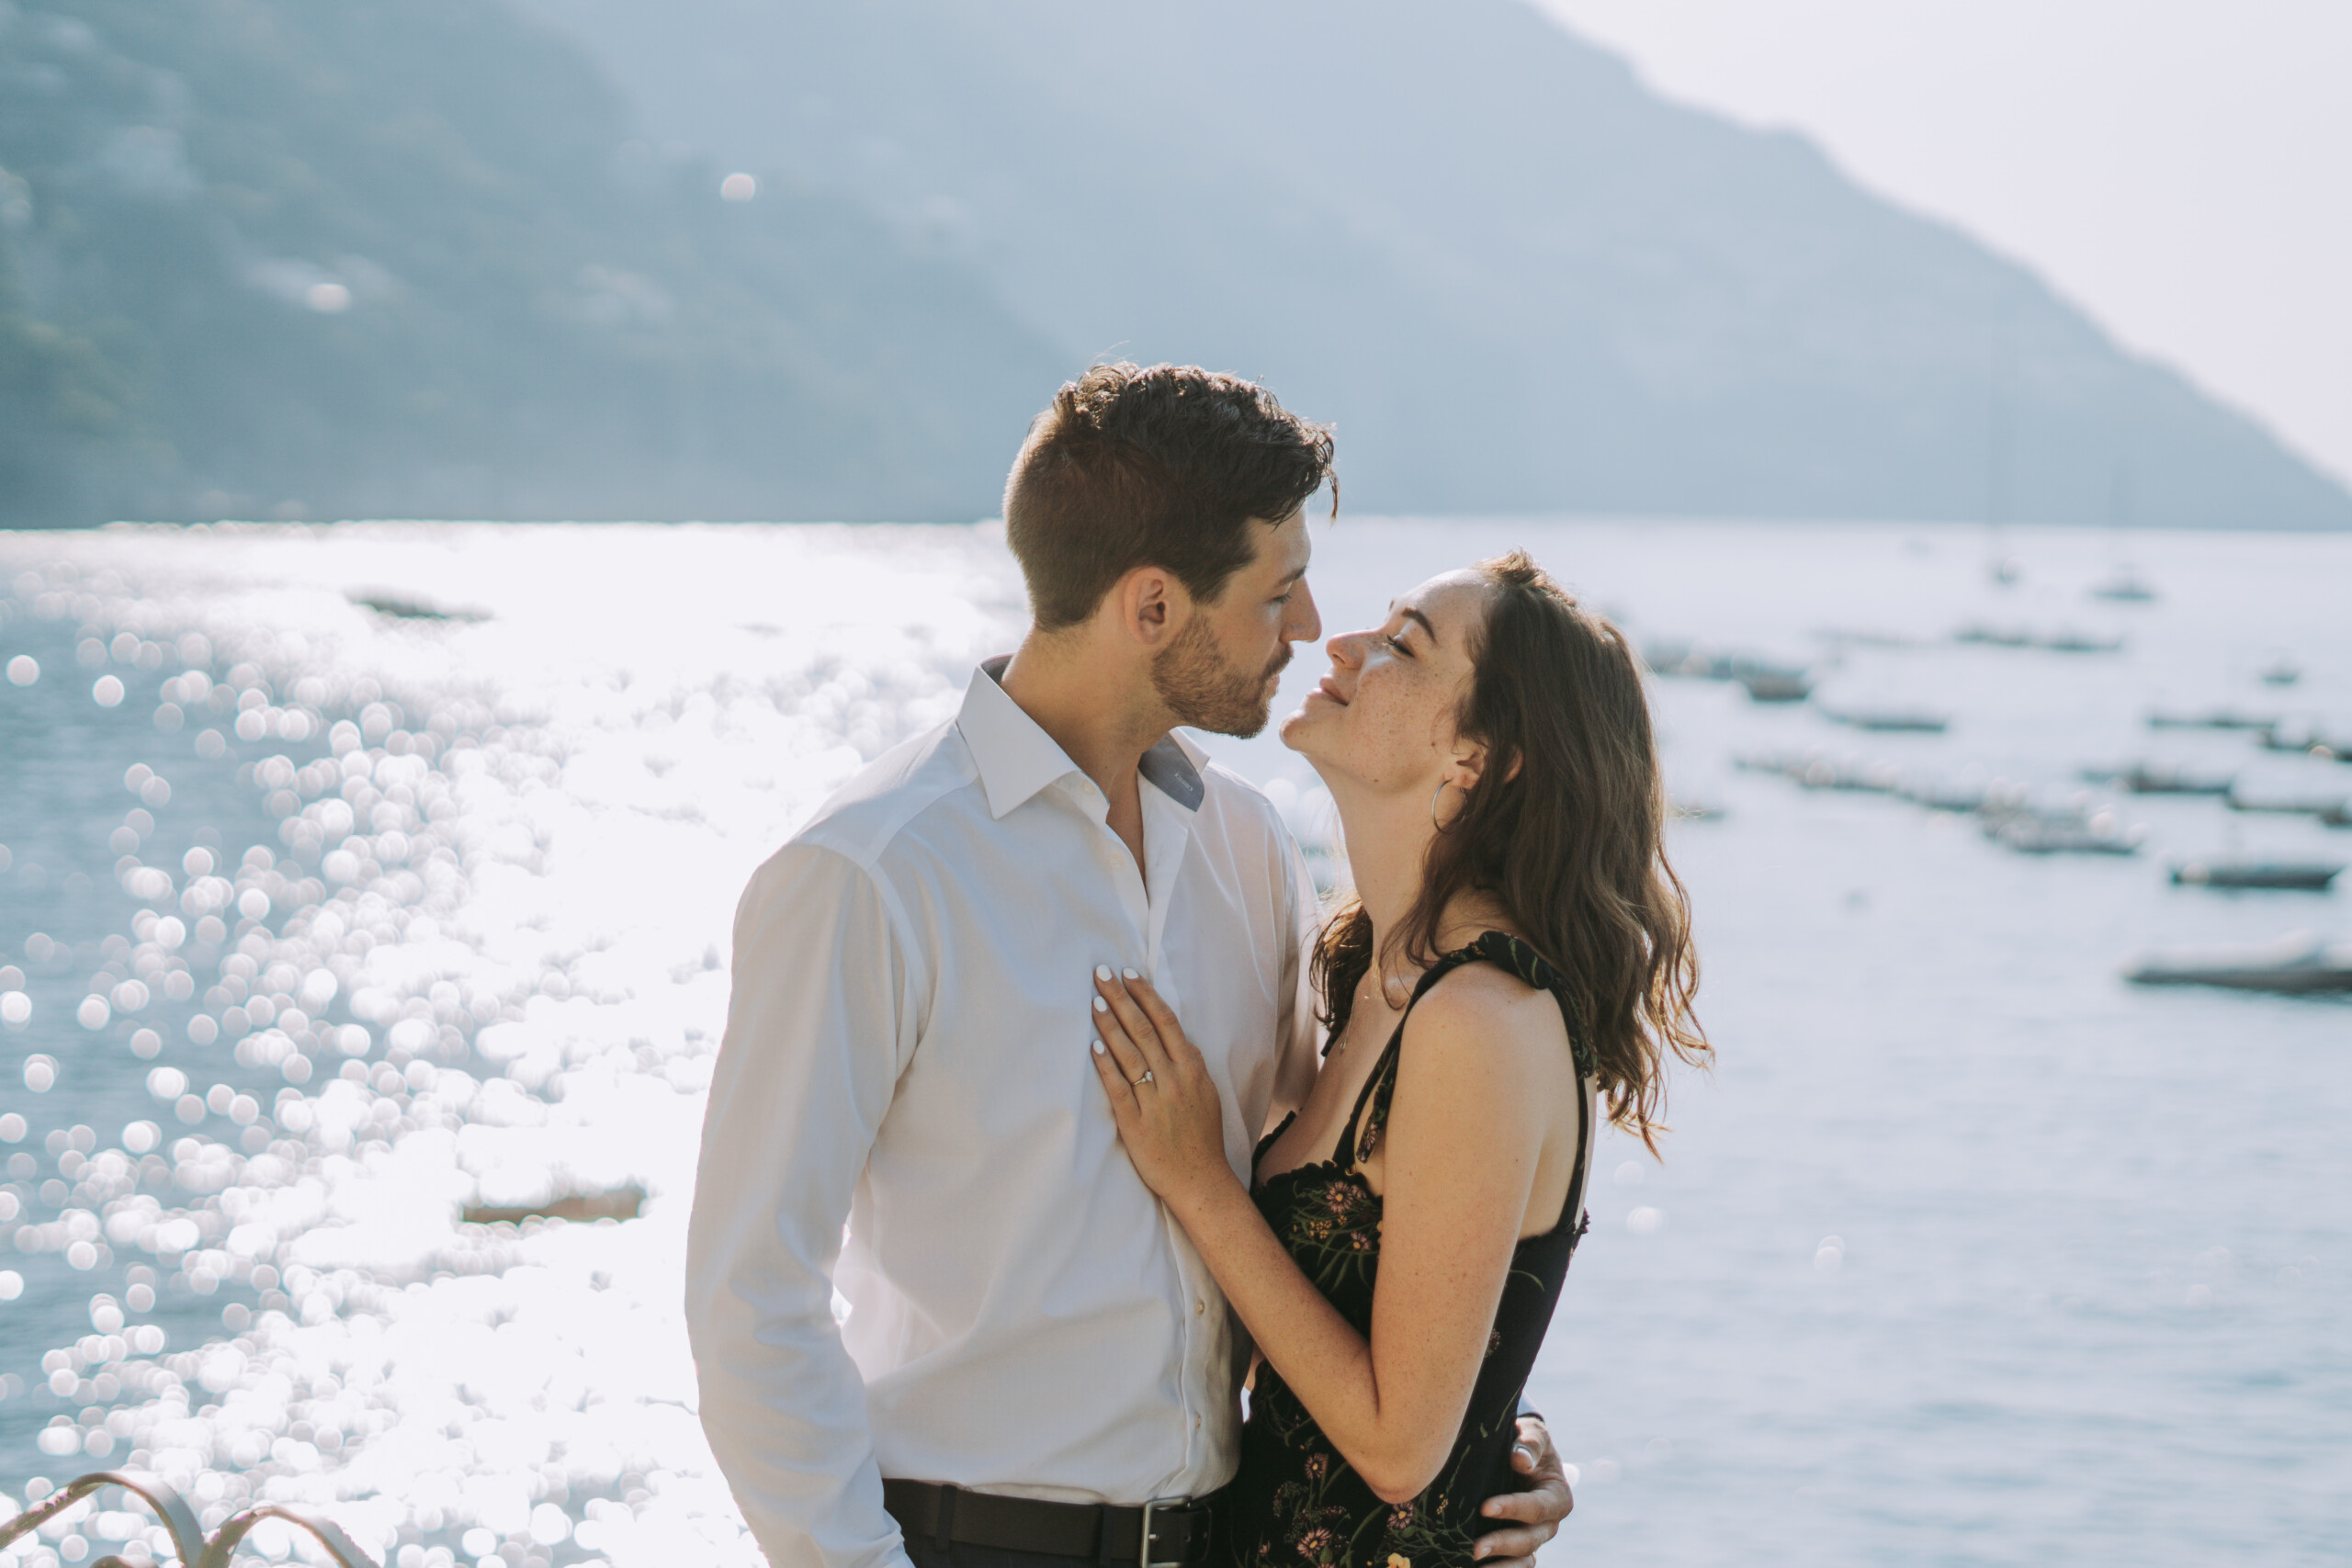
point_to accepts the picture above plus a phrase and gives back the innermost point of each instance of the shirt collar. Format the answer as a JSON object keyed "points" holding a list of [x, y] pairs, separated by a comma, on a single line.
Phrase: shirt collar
{"points": [[1016, 758]]}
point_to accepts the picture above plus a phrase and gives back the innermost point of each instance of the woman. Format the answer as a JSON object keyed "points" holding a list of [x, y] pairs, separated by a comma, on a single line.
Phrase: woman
{"points": [[1517, 951]]}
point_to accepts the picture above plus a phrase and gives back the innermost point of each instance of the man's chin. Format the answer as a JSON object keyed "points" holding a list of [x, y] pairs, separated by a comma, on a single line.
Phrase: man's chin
{"points": [[1240, 723], [1241, 729]]}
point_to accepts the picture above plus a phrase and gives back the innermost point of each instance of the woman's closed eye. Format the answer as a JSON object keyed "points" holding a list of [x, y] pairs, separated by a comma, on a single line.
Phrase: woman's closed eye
{"points": [[1397, 641]]}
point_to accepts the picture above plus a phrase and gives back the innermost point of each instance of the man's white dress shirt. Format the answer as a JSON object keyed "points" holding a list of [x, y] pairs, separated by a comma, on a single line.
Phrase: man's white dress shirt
{"points": [[906, 1049]]}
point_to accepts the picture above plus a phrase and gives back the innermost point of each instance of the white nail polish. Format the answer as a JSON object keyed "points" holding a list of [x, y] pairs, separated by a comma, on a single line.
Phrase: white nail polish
{"points": [[1098, 1047], [1130, 974], [1102, 1006], [1102, 971]]}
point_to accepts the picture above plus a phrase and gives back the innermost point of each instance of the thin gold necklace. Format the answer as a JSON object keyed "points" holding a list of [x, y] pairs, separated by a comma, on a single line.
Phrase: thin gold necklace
{"points": [[1364, 998]]}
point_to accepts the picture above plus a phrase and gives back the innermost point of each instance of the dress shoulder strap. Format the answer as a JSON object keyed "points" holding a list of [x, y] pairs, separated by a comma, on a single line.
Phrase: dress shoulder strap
{"points": [[1356, 1145], [1536, 970], [1363, 1130], [1510, 952]]}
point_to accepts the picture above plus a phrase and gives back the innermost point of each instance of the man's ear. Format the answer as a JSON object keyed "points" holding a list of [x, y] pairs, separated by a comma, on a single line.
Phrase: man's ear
{"points": [[1151, 604]]}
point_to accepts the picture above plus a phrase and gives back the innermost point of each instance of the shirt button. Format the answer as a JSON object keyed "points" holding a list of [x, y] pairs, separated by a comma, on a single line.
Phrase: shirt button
{"points": [[1199, 1307]]}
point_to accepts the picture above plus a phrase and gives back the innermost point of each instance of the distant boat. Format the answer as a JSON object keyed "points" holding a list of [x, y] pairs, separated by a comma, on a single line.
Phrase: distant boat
{"points": [[2309, 742], [2282, 672], [1872, 778], [1694, 811], [1962, 797], [2148, 778], [1812, 770], [2212, 718], [2066, 641], [2079, 642], [1994, 802], [1678, 658], [2064, 833], [2302, 965], [1912, 721], [409, 607], [2126, 586], [2123, 583], [600, 1204], [1767, 684], [1841, 637], [1994, 637], [2288, 805], [2285, 877]]}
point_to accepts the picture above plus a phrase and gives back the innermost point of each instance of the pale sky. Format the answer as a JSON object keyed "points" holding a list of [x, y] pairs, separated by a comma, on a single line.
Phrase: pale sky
{"points": [[2182, 169]]}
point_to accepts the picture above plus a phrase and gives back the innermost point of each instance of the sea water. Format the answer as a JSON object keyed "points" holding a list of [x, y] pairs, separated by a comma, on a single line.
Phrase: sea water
{"points": [[320, 921]]}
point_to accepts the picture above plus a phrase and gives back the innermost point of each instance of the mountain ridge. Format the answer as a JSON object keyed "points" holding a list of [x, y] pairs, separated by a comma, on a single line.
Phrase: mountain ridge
{"points": [[467, 258], [407, 257], [1599, 299]]}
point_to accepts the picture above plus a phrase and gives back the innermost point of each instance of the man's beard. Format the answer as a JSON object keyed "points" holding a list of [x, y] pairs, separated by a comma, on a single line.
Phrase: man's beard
{"points": [[1203, 689]]}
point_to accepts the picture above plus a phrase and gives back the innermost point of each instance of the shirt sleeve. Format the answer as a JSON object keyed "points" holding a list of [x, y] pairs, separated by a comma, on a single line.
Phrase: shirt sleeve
{"points": [[817, 1026], [1301, 1031]]}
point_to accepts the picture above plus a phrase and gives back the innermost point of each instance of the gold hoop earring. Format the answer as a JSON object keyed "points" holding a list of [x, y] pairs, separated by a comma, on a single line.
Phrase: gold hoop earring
{"points": [[1442, 786]]}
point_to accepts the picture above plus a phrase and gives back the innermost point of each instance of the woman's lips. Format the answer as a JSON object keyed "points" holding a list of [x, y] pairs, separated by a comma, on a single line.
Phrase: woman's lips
{"points": [[1325, 688]]}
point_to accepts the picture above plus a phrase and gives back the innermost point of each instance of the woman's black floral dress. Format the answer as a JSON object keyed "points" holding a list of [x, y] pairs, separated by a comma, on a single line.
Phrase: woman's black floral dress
{"points": [[1294, 1500]]}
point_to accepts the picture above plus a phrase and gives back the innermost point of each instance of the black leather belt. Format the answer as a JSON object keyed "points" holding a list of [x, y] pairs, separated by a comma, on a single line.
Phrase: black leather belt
{"points": [[1170, 1532]]}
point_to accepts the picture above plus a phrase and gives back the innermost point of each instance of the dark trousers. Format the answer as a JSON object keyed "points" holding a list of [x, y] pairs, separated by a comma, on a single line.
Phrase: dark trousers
{"points": [[928, 1553]]}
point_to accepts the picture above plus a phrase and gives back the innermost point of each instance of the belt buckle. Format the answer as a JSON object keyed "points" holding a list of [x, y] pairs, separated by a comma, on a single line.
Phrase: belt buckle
{"points": [[1144, 1559]]}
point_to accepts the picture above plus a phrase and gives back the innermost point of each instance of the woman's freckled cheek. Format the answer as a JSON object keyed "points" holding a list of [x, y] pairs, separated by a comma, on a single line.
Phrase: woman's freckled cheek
{"points": [[1387, 728]]}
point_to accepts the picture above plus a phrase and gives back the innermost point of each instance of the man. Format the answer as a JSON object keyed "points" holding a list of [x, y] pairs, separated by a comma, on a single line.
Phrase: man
{"points": [[1035, 1366]]}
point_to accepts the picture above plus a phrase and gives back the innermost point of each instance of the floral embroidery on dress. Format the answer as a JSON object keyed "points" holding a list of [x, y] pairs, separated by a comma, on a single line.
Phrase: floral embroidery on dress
{"points": [[1332, 1228]]}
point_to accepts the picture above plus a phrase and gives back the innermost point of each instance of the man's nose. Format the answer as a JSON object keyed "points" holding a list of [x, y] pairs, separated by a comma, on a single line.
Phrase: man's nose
{"points": [[1305, 620]]}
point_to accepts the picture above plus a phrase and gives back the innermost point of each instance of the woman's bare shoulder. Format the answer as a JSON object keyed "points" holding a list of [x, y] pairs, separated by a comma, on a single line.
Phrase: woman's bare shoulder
{"points": [[1486, 1009]]}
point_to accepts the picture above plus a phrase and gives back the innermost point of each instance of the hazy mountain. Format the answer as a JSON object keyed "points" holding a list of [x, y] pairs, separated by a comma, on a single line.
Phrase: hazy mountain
{"points": [[459, 258], [1513, 275], [405, 257]]}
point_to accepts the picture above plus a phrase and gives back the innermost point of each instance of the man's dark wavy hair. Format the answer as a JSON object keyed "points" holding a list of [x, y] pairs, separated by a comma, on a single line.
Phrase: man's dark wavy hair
{"points": [[1162, 466]]}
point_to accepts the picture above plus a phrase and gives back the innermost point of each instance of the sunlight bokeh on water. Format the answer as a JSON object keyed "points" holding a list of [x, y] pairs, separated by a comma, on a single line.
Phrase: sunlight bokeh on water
{"points": [[350, 878]]}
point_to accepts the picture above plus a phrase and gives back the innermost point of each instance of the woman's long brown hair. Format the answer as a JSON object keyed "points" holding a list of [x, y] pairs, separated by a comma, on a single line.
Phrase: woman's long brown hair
{"points": [[1565, 830]]}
